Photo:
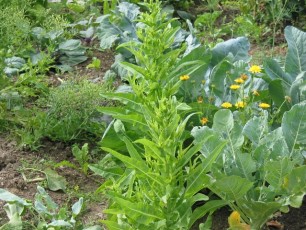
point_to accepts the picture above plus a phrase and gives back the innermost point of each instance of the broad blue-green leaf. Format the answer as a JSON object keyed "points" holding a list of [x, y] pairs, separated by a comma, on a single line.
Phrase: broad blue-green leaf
{"points": [[11, 198], [217, 78], [296, 56], [54, 180], [106, 32], [238, 47], [274, 71], [223, 121], [231, 188], [276, 171], [295, 182], [297, 89], [294, 126], [244, 165], [259, 212], [278, 92], [256, 128]]}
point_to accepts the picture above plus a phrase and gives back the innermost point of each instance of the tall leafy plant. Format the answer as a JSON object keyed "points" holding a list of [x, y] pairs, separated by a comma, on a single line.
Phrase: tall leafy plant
{"points": [[162, 176]]}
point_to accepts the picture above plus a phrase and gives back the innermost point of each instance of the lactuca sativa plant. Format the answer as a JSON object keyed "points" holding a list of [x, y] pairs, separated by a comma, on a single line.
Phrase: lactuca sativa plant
{"points": [[260, 170], [162, 176]]}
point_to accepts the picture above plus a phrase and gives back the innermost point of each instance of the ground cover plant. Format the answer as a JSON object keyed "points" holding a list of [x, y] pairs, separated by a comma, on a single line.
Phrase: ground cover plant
{"points": [[194, 124]]}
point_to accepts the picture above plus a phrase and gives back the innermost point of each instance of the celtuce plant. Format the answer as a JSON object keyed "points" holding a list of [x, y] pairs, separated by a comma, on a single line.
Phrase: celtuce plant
{"points": [[162, 178]]}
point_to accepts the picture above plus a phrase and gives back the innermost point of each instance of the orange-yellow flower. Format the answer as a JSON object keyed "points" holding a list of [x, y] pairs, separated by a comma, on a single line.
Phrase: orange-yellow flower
{"points": [[204, 120], [184, 77], [255, 69], [240, 104], [234, 87], [239, 80], [255, 92], [226, 105], [244, 77], [264, 105]]}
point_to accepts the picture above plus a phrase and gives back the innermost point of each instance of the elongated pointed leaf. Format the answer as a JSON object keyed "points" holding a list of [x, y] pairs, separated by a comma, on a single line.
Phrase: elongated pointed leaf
{"points": [[138, 165], [208, 207], [143, 213], [198, 179]]}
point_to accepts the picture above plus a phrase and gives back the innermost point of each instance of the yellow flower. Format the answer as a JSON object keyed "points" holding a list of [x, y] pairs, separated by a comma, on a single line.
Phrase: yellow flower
{"points": [[226, 105], [234, 222], [264, 105], [234, 218], [234, 87], [184, 77], [240, 104], [204, 120], [255, 69], [239, 80], [200, 99], [255, 92], [244, 77]]}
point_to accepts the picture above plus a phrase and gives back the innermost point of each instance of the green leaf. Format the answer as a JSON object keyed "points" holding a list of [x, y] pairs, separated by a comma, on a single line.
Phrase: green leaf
{"points": [[274, 72], [138, 165], [294, 126], [218, 76], [55, 182], [296, 56], [231, 188], [259, 212], [112, 225], [223, 121], [11, 198], [208, 207], [245, 166], [256, 128], [197, 179], [297, 89], [140, 212], [276, 171], [95, 227], [238, 47], [295, 182], [77, 207]]}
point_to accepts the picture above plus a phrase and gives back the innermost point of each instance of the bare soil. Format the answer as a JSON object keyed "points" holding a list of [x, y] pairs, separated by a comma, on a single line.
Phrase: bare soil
{"points": [[13, 162]]}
